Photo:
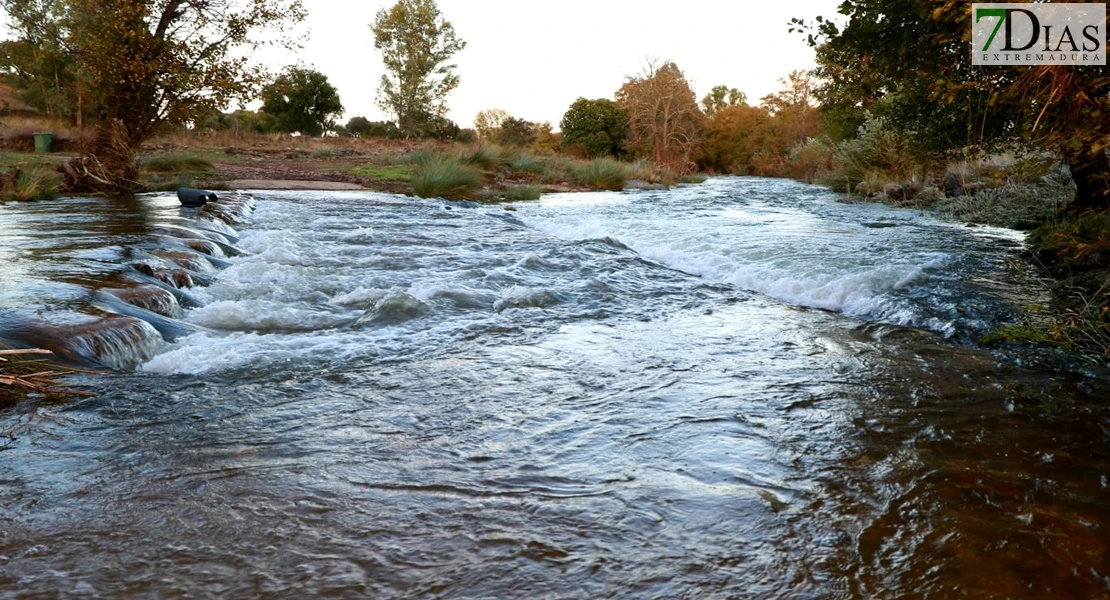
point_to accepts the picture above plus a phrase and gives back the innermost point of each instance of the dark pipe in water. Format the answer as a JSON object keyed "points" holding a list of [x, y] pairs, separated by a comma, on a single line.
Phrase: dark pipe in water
{"points": [[193, 197]]}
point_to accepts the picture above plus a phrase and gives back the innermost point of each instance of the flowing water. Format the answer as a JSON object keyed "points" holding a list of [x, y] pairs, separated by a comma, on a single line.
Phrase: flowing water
{"points": [[742, 389]]}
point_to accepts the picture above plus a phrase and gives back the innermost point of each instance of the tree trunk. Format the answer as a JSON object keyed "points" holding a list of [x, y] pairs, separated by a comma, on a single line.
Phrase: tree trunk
{"points": [[1091, 172]]}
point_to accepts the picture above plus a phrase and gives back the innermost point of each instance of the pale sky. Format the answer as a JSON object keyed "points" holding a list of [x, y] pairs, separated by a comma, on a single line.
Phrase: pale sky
{"points": [[534, 59]]}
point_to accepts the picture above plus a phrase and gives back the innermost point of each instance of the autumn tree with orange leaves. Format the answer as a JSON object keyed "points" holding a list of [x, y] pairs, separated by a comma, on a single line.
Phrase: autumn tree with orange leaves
{"points": [[664, 118]]}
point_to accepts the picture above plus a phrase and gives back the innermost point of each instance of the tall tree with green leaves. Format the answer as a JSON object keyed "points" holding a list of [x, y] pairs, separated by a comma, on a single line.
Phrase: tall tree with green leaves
{"points": [[302, 100], [600, 126], [722, 97], [910, 60], [38, 60], [488, 123], [417, 44]]}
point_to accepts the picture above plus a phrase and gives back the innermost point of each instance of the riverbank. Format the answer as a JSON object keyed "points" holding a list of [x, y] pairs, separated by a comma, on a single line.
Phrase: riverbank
{"points": [[424, 168], [1068, 252]]}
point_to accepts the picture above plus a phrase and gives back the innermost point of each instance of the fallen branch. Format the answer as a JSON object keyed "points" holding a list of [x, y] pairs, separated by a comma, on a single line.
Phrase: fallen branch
{"points": [[34, 376]]}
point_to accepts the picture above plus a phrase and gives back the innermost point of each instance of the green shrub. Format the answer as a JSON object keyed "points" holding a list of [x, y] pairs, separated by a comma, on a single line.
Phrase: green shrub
{"points": [[876, 148], [603, 174], [484, 156], [557, 169], [517, 132], [1077, 240], [523, 192], [445, 177], [526, 163], [599, 127], [419, 157]]}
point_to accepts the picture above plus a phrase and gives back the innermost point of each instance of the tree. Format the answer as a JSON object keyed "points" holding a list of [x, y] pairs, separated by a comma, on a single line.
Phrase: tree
{"points": [[663, 114], [547, 141], [794, 107], [39, 62], [488, 123], [302, 100], [362, 127], [796, 92], [416, 45], [911, 59], [734, 137], [359, 127], [148, 63], [721, 97], [601, 126], [517, 132]]}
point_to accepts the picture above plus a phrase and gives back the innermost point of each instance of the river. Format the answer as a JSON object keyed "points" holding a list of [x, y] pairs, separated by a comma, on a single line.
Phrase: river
{"points": [[741, 389]]}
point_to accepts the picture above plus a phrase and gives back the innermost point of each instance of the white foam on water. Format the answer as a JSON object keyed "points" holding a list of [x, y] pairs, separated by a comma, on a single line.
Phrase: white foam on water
{"points": [[210, 353], [801, 277], [460, 295], [264, 316], [359, 297]]}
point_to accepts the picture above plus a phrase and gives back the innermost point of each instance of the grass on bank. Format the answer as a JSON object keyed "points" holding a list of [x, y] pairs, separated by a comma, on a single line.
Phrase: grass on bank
{"points": [[420, 167], [29, 184], [519, 193], [389, 172], [447, 177], [603, 174]]}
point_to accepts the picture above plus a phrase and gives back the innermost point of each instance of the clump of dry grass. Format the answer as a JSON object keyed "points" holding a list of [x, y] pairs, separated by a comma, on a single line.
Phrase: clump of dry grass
{"points": [[31, 183], [22, 374]]}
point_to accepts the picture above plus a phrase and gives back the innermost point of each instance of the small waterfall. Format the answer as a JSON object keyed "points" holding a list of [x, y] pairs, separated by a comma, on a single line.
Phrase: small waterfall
{"points": [[126, 326], [148, 297], [190, 261], [116, 342]]}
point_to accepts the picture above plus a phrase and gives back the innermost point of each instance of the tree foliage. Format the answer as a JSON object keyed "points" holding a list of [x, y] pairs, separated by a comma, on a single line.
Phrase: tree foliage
{"points": [[910, 61], [722, 97], [488, 123], [794, 107], [150, 62], [38, 61], [517, 132], [416, 45], [362, 127], [142, 64], [600, 126], [734, 136], [302, 100], [663, 114]]}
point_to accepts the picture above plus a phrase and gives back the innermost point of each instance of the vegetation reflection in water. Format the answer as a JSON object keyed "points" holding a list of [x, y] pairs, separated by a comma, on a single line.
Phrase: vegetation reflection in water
{"points": [[584, 407]]}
